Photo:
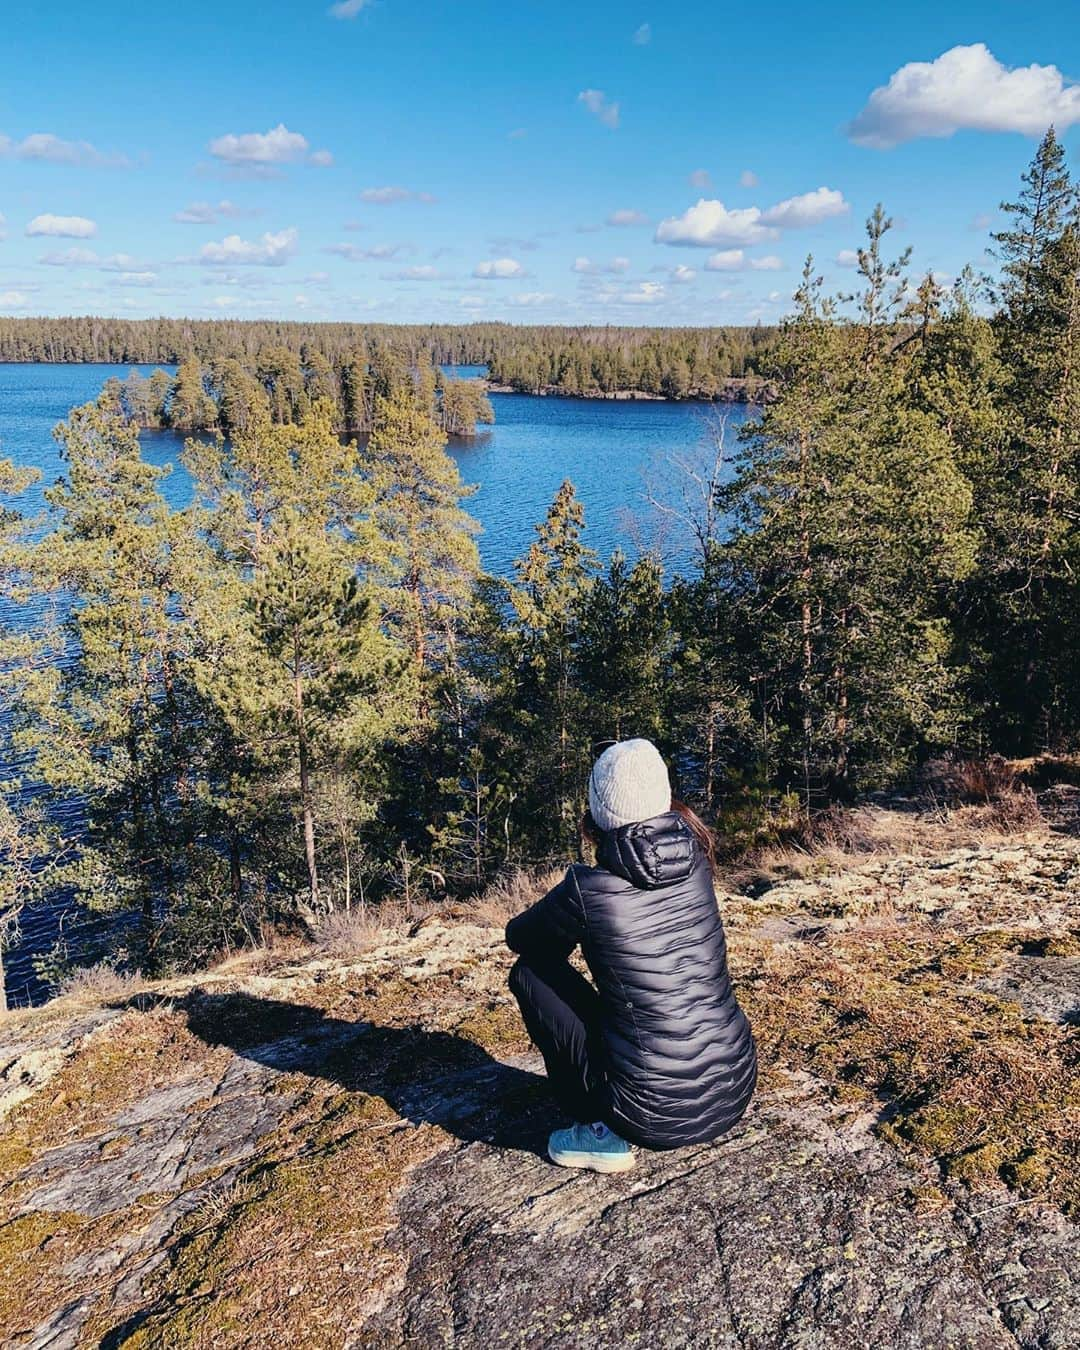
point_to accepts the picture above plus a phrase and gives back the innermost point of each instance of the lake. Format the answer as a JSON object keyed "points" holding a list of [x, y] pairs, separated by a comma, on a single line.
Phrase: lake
{"points": [[607, 447], [610, 450]]}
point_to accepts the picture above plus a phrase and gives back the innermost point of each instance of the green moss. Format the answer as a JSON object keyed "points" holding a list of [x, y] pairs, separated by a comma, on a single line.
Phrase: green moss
{"points": [[29, 1264], [1032, 1172], [973, 1083]]}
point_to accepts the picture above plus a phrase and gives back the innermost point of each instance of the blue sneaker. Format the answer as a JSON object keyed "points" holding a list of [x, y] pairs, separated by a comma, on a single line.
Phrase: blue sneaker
{"points": [[593, 1146]]}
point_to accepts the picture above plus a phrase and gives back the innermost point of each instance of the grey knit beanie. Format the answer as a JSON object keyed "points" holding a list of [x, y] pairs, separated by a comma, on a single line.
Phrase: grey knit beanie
{"points": [[629, 782]]}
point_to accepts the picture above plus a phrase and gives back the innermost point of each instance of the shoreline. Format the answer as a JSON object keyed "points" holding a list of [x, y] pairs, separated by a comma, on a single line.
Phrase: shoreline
{"points": [[735, 391]]}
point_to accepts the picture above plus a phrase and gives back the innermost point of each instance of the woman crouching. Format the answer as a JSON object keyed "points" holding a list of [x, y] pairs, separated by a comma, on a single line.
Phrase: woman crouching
{"points": [[658, 1053]]}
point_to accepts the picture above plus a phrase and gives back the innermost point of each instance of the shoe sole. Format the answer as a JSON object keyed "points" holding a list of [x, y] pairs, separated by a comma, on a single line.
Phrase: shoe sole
{"points": [[593, 1162]]}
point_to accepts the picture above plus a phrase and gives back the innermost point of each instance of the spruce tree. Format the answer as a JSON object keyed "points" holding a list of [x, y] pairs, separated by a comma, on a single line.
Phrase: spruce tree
{"points": [[538, 708], [1030, 489], [850, 518]]}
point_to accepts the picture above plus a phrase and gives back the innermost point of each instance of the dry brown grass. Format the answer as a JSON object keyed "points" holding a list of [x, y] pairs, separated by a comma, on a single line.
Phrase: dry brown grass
{"points": [[512, 893], [357, 931], [961, 804], [96, 984]]}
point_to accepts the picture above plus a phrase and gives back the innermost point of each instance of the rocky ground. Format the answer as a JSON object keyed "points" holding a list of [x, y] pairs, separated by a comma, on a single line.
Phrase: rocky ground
{"points": [[349, 1151]]}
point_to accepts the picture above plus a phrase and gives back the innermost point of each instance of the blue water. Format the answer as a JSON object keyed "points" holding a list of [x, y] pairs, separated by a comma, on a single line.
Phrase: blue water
{"points": [[611, 450]]}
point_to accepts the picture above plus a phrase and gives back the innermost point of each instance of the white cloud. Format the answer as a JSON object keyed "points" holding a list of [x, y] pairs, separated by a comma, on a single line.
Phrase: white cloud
{"points": [[499, 269], [62, 227], [347, 9], [735, 260], [71, 257], [700, 178], [123, 262], [645, 293], [727, 260], [586, 267], [847, 257], [508, 243], [424, 272], [748, 179], [272, 250], [136, 279], [378, 252], [387, 196], [3, 226], [981, 222], [600, 106], [52, 149], [13, 299], [643, 35], [261, 149], [965, 88], [207, 213], [683, 274], [322, 159], [527, 299], [196, 213], [627, 217], [808, 209], [710, 223], [249, 281]]}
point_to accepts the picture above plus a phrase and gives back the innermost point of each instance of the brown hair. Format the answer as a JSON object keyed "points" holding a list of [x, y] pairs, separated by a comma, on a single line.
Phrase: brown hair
{"points": [[591, 832], [699, 829]]}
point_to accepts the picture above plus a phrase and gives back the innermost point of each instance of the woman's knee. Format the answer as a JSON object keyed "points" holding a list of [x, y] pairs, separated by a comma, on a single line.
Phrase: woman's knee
{"points": [[518, 978]]}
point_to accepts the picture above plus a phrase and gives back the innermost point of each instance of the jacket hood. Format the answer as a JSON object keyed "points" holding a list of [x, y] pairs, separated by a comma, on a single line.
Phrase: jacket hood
{"points": [[650, 853]]}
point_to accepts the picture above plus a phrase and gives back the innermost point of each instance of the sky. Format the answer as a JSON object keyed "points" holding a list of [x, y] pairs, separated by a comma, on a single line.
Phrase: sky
{"points": [[422, 160]]}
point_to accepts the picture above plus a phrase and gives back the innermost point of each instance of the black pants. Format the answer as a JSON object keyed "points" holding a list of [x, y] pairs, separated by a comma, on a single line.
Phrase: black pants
{"points": [[561, 1012]]}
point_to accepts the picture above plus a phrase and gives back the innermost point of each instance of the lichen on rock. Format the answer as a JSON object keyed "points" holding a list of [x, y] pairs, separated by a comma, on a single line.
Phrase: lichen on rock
{"points": [[327, 1152]]}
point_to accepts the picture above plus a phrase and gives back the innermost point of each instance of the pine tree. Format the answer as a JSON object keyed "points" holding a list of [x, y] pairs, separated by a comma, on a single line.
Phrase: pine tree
{"points": [[294, 655], [19, 843], [107, 726], [462, 404], [190, 407], [433, 559]]}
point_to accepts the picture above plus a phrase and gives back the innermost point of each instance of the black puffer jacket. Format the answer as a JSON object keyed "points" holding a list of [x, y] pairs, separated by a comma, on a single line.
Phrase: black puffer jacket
{"points": [[680, 1058]]}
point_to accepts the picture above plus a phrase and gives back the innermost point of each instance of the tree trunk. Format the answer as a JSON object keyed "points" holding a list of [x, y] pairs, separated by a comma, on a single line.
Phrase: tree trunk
{"points": [[305, 778], [806, 626], [236, 880]]}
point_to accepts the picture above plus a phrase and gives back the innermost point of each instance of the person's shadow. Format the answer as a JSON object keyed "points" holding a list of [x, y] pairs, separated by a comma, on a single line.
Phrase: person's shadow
{"points": [[425, 1076]]}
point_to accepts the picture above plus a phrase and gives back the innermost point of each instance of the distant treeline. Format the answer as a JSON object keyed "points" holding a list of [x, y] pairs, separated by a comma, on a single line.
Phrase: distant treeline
{"points": [[663, 362], [704, 363]]}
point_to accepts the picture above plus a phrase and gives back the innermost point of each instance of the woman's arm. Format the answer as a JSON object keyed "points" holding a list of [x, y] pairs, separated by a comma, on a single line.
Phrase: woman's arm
{"points": [[550, 928]]}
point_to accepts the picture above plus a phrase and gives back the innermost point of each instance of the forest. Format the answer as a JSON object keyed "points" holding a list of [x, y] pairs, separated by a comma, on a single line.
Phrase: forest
{"points": [[582, 362], [301, 694]]}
